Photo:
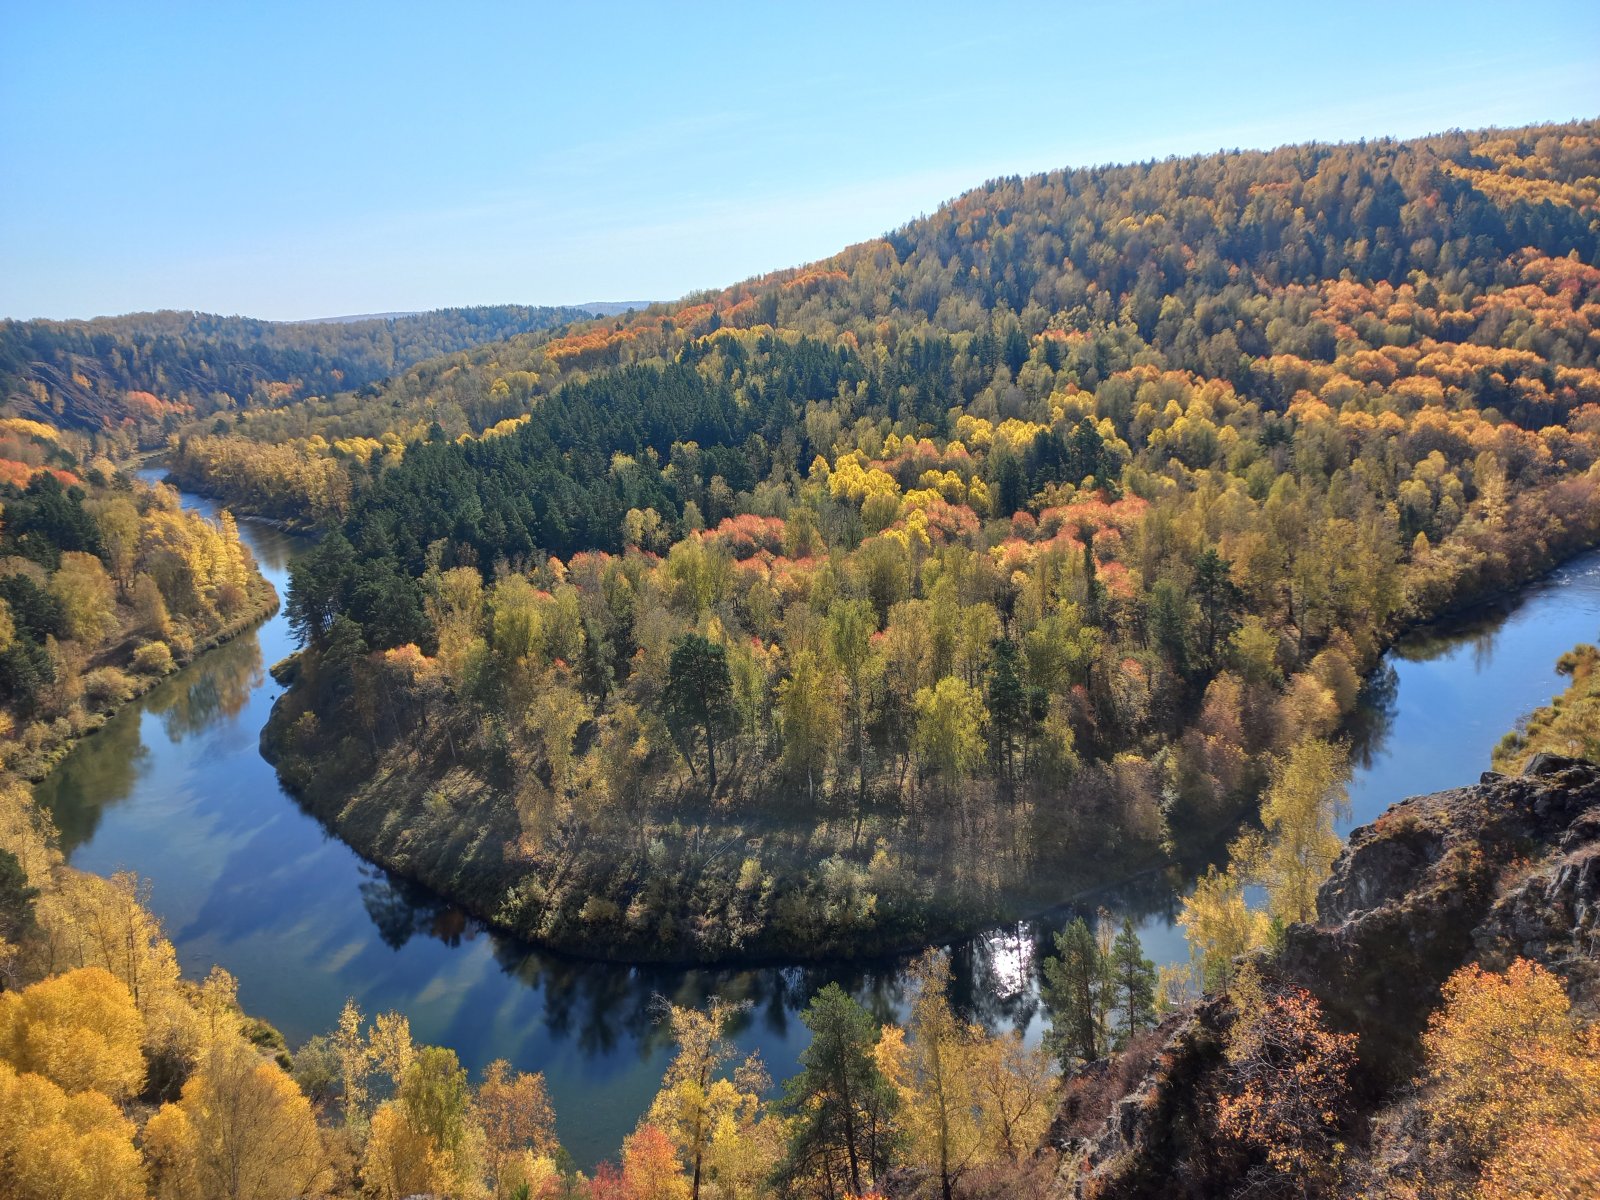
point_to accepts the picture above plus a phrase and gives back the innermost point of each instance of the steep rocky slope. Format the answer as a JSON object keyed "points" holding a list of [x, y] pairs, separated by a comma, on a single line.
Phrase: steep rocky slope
{"points": [[1506, 868]]}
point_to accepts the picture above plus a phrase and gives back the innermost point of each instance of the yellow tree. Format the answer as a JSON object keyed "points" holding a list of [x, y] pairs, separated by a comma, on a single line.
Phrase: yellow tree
{"points": [[1306, 796], [217, 1007], [118, 520], [1220, 926], [424, 1140], [1015, 1091], [355, 1063], [241, 1130], [389, 1046], [949, 735], [518, 1123], [400, 1158], [455, 606], [56, 1146], [27, 834], [744, 1146], [932, 1067], [1509, 1070], [808, 713], [91, 921], [87, 595], [80, 1030], [695, 1100], [851, 624]]}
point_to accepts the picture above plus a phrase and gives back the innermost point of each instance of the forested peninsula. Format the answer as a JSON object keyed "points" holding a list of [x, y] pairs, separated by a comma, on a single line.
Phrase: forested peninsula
{"points": [[1027, 545]]}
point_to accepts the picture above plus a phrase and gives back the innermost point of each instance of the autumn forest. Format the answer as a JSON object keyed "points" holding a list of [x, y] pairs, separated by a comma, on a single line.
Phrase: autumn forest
{"points": [[1049, 541]]}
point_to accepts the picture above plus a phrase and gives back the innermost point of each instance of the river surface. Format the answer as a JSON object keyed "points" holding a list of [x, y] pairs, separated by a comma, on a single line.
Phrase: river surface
{"points": [[174, 787]]}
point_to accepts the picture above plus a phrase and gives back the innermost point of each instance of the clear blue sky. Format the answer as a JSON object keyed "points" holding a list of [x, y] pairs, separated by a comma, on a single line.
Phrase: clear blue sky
{"points": [[304, 159]]}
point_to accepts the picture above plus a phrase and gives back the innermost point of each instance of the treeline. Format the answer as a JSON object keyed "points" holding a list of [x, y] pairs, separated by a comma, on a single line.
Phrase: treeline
{"points": [[916, 617], [106, 585], [146, 374]]}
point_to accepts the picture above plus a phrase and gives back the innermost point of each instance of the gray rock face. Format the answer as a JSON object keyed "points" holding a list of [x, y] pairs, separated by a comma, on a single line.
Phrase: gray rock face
{"points": [[1485, 873], [1507, 868]]}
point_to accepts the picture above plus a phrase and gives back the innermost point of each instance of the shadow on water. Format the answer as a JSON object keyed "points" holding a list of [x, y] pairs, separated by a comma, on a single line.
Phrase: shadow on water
{"points": [[175, 788]]}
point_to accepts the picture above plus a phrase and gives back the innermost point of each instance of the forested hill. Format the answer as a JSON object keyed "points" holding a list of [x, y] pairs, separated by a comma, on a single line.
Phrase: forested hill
{"points": [[1028, 541], [149, 372], [1231, 266]]}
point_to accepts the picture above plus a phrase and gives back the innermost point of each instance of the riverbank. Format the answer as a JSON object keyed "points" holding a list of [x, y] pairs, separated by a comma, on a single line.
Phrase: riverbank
{"points": [[32, 763], [108, 591], [416, 815], [412, 811], [154, 464]]}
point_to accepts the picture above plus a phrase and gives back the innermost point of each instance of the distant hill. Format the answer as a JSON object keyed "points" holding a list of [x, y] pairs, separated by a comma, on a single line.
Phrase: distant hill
{"points": [[143, 374], [355, 317], [613, 308]]}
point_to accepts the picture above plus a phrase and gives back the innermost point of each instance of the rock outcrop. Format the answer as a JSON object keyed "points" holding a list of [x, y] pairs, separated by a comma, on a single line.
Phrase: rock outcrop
{"points": [[1506, 868]]}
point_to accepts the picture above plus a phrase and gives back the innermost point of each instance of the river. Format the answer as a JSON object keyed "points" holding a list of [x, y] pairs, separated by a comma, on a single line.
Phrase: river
{"points": [[174, 787]]}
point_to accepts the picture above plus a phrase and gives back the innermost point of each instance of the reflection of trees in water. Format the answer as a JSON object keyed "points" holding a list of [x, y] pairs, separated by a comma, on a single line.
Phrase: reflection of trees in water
{"points": [[993, 977], [216, 688], [1375, 714], [1476, 628], [99, 772], [273, 547], [602, 1006], [401, 909]]}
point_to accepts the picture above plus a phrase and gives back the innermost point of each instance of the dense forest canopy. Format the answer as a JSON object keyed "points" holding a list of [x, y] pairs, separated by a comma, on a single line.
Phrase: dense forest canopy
{"points": [[148, 373], [1042, 532], [1222, 265]]}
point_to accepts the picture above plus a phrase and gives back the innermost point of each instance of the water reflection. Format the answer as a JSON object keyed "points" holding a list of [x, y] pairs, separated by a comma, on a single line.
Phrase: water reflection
{"points": [[1375, 714], [399, 909], [97, 780], [217, 688]]}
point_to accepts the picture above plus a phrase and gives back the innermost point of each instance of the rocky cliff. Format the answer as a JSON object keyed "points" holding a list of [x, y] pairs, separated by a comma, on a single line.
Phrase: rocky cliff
{"points": [[1506, 868]]}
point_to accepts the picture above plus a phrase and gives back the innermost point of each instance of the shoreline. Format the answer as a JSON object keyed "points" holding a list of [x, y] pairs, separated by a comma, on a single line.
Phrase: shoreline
{"points": [[264, 608], [894, 950], [329, 812]]}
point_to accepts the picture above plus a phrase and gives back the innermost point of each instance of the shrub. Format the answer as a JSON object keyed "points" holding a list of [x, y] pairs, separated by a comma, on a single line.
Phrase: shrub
{"points": [[153, 658], [106, 686]]}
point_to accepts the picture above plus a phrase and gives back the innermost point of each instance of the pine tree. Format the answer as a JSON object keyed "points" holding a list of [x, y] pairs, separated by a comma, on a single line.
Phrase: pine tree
{"points": [[840, 1104], [1077, 990], [1134, 983], [699, 697]]}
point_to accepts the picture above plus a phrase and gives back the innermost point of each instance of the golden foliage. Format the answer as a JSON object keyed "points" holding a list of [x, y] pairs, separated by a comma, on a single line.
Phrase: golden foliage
{"points": [[1513, 1079], [59, 1146], [80, 1030], [241, 1129]]}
